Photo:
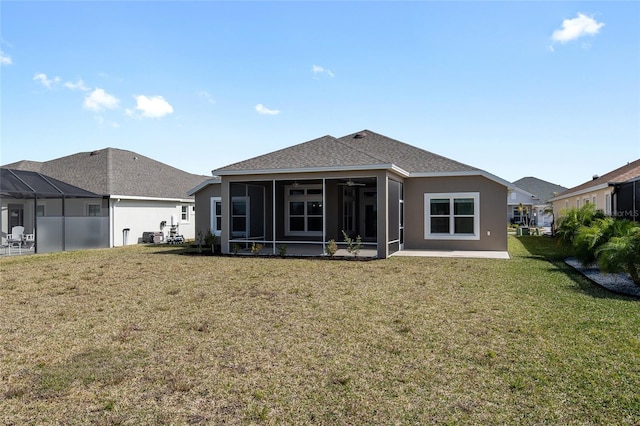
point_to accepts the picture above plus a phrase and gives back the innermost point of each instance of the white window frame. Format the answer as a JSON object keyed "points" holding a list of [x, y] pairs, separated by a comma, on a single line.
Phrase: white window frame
{"points": [[242, 234], [214, 217], [185, 213], [607, 204], [451, 235], [305, 198]]}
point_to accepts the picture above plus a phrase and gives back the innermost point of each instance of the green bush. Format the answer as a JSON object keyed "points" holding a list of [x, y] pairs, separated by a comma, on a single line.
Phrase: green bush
{"points": [[622, 252], [571, 220]]}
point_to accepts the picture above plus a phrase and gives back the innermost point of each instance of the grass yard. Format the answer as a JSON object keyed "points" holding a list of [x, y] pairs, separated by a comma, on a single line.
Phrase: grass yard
{"points": [[144, 335]]}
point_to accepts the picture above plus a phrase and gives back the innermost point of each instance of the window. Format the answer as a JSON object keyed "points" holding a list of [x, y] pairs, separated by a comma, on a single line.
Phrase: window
{"points": [[452, 216], [184, 213], [607, 204], [239, 217], [517, 217], [94, 210], [304, 210], [40, 212], [216, 215]]}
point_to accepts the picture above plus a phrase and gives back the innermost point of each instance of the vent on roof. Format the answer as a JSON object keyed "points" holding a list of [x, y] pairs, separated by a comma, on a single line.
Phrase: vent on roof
{"points": [[94, 152], [594, 177], [360, 135]]}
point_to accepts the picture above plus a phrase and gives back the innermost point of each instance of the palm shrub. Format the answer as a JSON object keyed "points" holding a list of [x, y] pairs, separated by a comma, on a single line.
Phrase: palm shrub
{"points": [[622, 252], [588, 239], [571, 220]]}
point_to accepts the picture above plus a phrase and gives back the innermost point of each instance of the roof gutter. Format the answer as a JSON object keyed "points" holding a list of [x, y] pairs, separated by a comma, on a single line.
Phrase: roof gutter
{"points": [[141, 198]]}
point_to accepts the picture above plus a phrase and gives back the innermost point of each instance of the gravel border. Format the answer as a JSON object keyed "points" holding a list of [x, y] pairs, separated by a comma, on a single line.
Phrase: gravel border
{"points": [[618, 283]]}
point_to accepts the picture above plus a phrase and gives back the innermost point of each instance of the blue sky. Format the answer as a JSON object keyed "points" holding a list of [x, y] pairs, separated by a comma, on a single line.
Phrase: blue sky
{"points": [[544, 89]]}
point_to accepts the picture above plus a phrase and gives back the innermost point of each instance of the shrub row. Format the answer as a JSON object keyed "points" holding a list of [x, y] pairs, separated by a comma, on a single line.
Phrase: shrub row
{"points": [[593, 237]]}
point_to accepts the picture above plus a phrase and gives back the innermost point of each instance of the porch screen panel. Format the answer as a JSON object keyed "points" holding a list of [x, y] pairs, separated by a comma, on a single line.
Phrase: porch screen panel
{"points": [[86, 232], [394, 210], [49, 237], [257, 211]]}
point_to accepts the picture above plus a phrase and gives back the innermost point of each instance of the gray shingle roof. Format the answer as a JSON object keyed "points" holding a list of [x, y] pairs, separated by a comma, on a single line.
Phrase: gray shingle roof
{"points": [[622, 174], [112, 171], [542, 189], [364, 148]]}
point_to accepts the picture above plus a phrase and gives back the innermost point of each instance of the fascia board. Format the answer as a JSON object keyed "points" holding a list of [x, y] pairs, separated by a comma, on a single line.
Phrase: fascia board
{"points": [[212, 181], [141, 198], [312, 170]]}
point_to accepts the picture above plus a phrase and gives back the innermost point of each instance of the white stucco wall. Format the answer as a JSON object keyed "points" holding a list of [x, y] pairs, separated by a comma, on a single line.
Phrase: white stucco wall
{"points": [[140, 215]]}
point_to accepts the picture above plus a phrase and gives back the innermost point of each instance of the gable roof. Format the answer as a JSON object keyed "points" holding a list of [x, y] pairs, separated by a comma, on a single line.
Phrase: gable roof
{"points": [[357, 151], [112, 171], [541, 189], [619, 175]]}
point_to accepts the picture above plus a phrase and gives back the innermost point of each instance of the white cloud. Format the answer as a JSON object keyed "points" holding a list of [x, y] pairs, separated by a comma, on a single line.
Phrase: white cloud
{"points": [[262, 110], [317, 69], [575, 28], [99, 100], [76, 86], [46, 82], [5, 59], [152, 107], [204, 94]]}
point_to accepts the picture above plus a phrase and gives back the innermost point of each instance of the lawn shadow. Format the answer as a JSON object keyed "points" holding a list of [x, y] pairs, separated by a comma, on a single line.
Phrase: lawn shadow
{"points": [[550, 249], [584, 284]]}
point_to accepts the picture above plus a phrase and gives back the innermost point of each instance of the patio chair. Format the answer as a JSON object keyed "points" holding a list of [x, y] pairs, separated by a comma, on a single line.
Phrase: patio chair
{"points": [[15, 238]]}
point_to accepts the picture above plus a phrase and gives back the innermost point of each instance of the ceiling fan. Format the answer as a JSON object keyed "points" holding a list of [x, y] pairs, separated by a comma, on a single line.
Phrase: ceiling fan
{"points": [[351, 183]]}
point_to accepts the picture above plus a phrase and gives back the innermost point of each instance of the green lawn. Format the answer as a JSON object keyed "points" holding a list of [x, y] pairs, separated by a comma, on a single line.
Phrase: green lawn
{"points": [[144, 335]]}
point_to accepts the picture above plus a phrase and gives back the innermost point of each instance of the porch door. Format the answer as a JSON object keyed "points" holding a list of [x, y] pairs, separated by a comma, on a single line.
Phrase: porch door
{"points": [[16, 215], [349, 210], [368, 213]]}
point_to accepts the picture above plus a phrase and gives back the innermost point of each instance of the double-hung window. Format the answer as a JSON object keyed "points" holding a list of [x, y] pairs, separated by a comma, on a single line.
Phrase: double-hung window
{"points": [[304, 210], [452, 216], [94, 210], [184, 213]]}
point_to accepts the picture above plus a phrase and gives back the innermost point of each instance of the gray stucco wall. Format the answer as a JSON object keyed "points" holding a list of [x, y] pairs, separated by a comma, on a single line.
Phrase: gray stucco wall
{"points": [[203, 207], [493, 203]]}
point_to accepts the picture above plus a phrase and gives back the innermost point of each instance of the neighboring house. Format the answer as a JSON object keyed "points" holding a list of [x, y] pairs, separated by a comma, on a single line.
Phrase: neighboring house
{"points": [[599, 191], [50, 215], [140, 195], [532, 194], [393, 195]]}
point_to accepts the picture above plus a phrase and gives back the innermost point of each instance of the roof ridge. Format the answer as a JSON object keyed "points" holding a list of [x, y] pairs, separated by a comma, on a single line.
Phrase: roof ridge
{"points": [[110, 176], [361, 151]]}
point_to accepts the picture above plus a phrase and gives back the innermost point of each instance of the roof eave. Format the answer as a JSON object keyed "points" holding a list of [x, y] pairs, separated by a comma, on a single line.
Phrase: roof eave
{"points": [[389, 166], [582, 191], [212, 181]]}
